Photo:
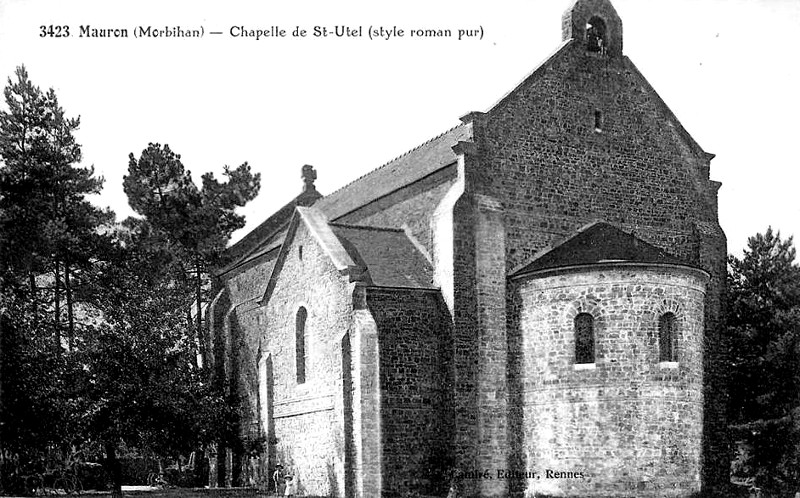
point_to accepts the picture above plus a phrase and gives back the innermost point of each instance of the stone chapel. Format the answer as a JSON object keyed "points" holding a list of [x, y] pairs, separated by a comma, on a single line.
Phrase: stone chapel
{"points": [[528, 304]]}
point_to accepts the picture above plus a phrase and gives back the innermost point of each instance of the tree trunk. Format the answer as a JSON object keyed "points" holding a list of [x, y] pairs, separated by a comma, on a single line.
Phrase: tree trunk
{"points": [[70, 315], [57, 303], [201, 343], [32, 283], [2, 401], [190, 326], [200, 468], [222, 465], [236, 468], [114, 469]]}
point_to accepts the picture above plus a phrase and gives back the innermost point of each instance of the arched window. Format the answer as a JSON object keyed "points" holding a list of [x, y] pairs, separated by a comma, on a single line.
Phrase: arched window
{"points": [[666, 337], [300, 345], [584, 338], [596, 40]]}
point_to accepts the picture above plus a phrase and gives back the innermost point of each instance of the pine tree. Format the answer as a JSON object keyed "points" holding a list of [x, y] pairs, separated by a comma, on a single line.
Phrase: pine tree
{"points": [[48, 234], [764, 326], [48, 225], [198, 222]]}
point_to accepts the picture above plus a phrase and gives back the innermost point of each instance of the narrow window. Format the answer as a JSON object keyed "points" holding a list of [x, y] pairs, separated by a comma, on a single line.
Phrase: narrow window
{"points": [[584, 338], [300, 253], [264, 390], [666, 337], [596, 35], [300, 345], [598, 121]]}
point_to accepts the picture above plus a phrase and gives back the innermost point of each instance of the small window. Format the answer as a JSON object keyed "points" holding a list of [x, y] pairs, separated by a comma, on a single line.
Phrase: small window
{"points": [[666, 337], [300, 253], [598, 121], [584, 338], [263, 392], [300, 345], [596, 35]]}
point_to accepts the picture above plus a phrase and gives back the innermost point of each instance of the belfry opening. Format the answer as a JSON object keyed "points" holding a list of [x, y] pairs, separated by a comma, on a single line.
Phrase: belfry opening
{"points": [[596, 35]]}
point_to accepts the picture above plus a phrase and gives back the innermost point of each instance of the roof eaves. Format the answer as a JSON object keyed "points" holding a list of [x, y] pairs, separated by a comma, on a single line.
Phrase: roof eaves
{"points": [[390, 192], [392, 161], [251, 257], [609, 264], [426, 289], [420, 163], [365, 227]]}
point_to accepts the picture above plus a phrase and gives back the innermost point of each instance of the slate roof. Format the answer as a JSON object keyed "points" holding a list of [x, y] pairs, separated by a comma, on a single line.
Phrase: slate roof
{"points": [[412, 166], [415, 165], [404, 170], [261, 239], [599, 243], [390, 257]]}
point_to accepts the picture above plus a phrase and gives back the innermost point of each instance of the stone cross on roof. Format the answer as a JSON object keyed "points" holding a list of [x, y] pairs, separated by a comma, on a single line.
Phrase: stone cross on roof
{"points": [[308, 174]]}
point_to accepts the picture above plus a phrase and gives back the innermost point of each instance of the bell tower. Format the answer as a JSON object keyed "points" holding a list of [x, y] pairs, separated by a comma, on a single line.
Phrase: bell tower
{"points": [[594, 24]]}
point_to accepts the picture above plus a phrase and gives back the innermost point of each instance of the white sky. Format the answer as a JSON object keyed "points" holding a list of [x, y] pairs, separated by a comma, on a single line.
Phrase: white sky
{"points": [[729, 69]]}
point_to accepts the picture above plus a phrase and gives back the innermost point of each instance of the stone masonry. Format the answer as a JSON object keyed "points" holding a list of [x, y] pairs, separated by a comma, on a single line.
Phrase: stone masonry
{"points": [[416, 329], [627, 422]]}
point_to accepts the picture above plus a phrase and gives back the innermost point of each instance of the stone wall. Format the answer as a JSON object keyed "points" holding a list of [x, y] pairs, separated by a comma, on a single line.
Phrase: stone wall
{"points": [[584, 138], [629, 424], [543, 158], [554, 172], [413, 330], [373, 403], [477, 266], [308, 419]]}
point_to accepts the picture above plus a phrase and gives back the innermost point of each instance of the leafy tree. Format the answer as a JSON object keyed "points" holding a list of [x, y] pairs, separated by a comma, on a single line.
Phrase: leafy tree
{"points": [[141, 386], [197, 222], [38, 385], [764, 324]]}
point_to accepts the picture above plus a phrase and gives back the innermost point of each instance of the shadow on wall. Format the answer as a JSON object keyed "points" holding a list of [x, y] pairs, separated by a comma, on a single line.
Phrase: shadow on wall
{"points": [[333, 483]]}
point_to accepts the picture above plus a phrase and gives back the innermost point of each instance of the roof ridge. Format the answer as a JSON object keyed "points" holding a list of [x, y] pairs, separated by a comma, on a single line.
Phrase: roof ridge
{"points": [[366, 227], [396, 159], [589, 225]]}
